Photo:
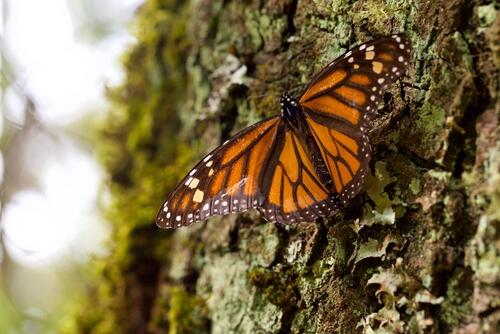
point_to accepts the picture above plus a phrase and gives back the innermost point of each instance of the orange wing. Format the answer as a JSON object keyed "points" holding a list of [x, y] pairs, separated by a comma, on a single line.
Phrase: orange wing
{"points": [[265, 166], [226, 180], [295, 192], [341, 99], [346, 157], [349, 89]]}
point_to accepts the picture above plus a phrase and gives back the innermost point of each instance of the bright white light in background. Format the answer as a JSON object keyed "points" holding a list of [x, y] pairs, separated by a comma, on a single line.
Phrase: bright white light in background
{"points": [[40, 225], [36, 231], [56, 224], [66, 79]]}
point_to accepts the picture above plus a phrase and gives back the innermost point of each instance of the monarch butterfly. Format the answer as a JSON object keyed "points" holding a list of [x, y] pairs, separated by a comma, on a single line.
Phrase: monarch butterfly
{"points": [[307, 161]]}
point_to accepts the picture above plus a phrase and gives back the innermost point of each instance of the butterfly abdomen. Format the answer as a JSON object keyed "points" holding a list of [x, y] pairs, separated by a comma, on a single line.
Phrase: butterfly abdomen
{"points": [[317, 160]]}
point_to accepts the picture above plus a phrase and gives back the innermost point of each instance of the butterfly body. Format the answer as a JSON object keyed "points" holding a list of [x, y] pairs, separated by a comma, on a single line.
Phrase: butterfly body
{"points": [[291, 111], [293, 115], [307, 161]]}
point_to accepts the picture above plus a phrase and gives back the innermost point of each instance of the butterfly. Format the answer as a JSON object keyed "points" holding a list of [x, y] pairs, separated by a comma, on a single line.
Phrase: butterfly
{"points": [[306, 162]]}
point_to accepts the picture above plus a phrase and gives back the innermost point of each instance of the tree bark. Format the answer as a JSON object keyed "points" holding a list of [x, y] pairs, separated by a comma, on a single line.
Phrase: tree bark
{"points": [[418, 252]]}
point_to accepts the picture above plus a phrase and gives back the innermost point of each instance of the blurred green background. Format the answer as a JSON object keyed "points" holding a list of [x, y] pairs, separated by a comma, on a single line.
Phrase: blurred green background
{"points": [[58, 58]]}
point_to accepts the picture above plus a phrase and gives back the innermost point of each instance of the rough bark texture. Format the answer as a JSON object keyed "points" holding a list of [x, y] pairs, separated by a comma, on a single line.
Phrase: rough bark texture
{"points": [[417, 252]]}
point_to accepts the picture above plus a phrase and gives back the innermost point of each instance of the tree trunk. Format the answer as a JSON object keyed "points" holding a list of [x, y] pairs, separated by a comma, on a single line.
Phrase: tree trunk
{"points": [[417, 252]]}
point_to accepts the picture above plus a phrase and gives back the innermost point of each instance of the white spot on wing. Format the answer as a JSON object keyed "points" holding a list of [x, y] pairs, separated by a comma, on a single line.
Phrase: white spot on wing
{"points": [[194, 183], [377, 67], [198, 196]]}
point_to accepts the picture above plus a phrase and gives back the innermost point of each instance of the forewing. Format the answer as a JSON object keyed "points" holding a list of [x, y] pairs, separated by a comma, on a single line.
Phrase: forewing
{"points": [[225, 181], [349, 89]]}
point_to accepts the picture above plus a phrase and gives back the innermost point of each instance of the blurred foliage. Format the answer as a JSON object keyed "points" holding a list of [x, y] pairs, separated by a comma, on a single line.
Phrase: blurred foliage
{"points": [[8, 313], [140, 149]]}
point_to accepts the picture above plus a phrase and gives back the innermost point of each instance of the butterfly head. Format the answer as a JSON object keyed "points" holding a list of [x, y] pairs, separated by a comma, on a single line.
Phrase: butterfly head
{"points": [[290, 108]]}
